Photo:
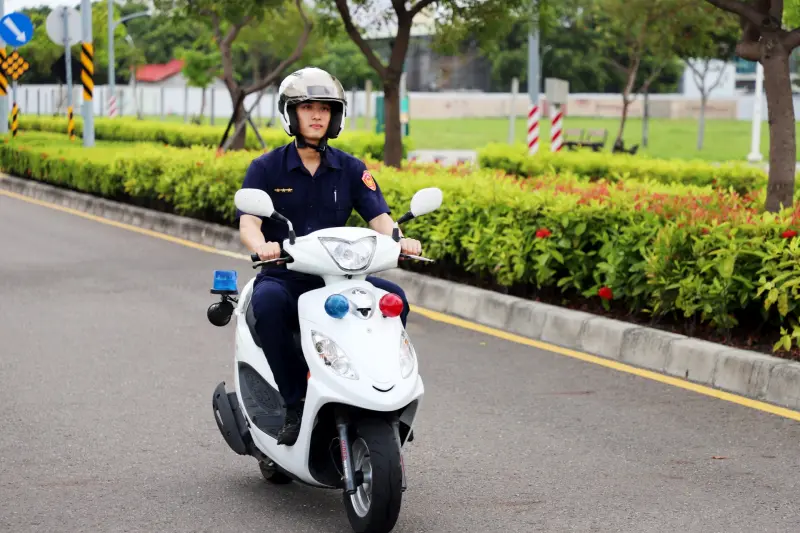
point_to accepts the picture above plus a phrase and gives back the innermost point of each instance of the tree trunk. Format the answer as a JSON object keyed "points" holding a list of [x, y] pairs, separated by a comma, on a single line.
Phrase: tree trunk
{"points": [[626, 100], [625, 105], [202, 104], [393, 143], [701, 126], [239, 114], [780, 112]]}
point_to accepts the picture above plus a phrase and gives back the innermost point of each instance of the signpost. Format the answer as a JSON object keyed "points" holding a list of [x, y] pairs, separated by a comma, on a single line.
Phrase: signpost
{"points": [[87, 73], [557, 94], [3, 80], [63, 26], [16, 29], [534, 107]]}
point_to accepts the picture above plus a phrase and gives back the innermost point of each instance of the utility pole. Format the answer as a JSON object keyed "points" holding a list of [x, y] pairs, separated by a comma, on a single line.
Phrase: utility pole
{"points": [[112, 86], [534, 109], [87, 73], [112, 89], [755, 129]]}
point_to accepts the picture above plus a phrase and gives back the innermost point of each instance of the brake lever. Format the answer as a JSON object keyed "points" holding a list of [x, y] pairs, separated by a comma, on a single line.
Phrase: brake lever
{"points": [[416, 258], [277, 261], [284, 258]]}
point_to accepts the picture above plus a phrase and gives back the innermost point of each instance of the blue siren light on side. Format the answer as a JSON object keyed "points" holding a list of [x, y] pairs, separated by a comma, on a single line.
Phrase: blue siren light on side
{"points": [[225, 282], [337, 306]]}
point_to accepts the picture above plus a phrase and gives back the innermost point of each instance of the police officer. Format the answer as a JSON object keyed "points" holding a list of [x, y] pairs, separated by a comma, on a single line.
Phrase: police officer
{"points": [[315, 186]]}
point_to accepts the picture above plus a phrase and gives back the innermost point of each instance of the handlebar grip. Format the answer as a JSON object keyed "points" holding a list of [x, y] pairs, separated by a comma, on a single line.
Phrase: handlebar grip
{"points": [[255, 258]]}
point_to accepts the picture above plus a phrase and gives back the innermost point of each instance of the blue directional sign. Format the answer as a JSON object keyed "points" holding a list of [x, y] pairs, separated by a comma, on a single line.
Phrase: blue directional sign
{"points": [[16, 29]]}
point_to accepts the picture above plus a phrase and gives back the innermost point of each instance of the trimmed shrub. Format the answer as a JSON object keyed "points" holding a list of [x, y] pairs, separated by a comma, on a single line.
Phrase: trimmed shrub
{"points": [[693, 252]]}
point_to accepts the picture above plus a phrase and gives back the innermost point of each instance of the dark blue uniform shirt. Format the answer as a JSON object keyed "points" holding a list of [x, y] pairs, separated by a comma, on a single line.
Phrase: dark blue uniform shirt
{"points": [[324, 200]]}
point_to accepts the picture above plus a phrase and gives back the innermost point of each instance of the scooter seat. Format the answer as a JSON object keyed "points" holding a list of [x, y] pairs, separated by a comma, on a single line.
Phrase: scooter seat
{"points": [[250, 319]]}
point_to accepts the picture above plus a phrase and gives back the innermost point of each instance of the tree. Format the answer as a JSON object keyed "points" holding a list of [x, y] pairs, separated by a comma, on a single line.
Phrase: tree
{"points": [[636, 30], [702, 43], [201, 66], [346, 62], [41, 52], [763, 39], [155, 38], [226, 20], [486, 19]]}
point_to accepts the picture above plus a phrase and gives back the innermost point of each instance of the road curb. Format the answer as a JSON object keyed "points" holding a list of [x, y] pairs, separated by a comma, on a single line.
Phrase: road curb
{"points": [[743, 372]]}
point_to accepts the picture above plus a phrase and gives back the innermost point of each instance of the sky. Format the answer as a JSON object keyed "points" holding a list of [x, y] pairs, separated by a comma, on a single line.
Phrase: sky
{"points": [[16, 5]]}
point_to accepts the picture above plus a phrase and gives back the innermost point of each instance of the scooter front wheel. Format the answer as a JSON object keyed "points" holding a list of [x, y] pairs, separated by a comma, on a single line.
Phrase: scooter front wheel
{"points": [[375, 506]]}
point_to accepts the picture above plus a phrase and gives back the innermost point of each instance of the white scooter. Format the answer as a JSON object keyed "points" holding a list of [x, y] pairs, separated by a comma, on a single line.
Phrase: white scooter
{"points": [[364, 388]]}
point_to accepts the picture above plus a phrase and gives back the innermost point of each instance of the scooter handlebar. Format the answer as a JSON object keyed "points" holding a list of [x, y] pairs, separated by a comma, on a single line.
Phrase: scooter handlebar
{"points": [[283, 258], [416, 258], [286, 258]]}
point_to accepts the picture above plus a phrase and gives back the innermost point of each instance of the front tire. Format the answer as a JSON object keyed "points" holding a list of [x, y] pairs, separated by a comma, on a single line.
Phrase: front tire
{"points": [[375, 506]]}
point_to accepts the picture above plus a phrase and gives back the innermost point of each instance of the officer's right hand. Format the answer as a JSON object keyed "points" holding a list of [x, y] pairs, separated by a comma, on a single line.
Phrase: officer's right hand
{"points": [[269, 250]]}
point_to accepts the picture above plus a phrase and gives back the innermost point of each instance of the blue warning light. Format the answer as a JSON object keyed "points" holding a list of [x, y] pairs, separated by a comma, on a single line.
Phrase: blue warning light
{"points": [[225, 282]]}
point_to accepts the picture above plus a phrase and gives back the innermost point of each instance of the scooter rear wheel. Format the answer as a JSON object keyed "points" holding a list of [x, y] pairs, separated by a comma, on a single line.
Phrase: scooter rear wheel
{"points": [[272, 475], [375, 506]]}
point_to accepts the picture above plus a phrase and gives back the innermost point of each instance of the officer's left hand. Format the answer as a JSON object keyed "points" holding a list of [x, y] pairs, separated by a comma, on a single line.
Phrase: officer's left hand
{"points": [[411, 247]]}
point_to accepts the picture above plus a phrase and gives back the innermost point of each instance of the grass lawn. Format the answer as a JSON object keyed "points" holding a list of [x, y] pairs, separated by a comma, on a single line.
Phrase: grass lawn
{"points": [[724, 139]]}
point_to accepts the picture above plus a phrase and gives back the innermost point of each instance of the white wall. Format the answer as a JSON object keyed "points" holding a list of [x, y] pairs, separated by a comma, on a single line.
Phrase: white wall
{"points": [[175, 101], [727, 84]]}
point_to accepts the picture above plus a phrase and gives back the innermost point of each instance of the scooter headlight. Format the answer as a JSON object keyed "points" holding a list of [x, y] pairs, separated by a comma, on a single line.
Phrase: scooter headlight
{"points": [[408, 357], [333, 356], [351, 256]]}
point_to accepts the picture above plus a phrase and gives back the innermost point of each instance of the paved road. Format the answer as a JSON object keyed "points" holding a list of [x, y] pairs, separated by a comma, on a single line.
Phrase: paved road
{"points": [[107, 364]]}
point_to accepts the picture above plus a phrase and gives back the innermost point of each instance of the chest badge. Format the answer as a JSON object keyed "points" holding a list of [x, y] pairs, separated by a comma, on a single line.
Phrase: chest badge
{"points": [[282, 190], [368, 180]]}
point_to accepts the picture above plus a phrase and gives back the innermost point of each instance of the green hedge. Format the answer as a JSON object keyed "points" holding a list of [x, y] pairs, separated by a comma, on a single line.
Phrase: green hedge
{"points": [[686, 251], [359, 143], [614, 167]]}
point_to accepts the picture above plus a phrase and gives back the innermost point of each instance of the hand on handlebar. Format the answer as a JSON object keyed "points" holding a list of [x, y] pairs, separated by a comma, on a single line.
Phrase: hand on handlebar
{"points": [[412, 249], [269, 253], [410, 246], [268, 250]]}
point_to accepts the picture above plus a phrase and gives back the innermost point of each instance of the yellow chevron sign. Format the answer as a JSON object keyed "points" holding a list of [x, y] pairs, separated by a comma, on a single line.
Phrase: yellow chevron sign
{"points": [[14, 66]]}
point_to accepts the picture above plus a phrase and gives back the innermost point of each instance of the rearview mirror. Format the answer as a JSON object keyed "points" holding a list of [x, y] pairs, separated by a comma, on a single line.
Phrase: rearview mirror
{"points": [[426, 201], [254, 202]]}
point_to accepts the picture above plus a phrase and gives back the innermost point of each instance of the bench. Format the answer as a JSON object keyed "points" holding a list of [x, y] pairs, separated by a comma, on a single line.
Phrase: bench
{"points": [[596, 139], [579, 138]]}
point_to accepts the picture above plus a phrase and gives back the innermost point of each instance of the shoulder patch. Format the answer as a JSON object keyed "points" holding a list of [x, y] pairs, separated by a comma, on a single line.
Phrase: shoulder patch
{"points": [[368, 180]]}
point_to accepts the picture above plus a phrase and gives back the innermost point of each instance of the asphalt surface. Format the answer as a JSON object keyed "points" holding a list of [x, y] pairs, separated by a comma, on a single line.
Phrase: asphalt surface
{"points": [[108, 363]]}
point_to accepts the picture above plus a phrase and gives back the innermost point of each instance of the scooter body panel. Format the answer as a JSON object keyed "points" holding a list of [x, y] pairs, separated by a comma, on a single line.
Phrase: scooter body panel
{"points": [[373, 347]]}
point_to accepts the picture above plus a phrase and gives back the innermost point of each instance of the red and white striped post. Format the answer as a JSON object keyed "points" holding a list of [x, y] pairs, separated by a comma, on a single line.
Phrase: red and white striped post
{"points": [[557, 127], [534, 113], [112, 106]]}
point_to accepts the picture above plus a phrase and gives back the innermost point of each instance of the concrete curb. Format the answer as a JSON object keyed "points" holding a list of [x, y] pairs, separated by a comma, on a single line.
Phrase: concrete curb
{"points": [[747, 373]]}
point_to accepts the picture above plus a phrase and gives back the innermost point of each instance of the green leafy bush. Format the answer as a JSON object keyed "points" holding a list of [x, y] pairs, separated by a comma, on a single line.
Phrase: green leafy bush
{"points": [[614, 167], [359, 143], [693, 252]]}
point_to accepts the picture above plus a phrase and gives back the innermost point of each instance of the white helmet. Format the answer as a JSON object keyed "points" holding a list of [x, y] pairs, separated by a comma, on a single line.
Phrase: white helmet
{"points": [[311, 84]]}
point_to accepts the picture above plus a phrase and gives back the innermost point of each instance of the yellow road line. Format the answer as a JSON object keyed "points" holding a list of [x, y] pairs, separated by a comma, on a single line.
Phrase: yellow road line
{"points": [[609, 363], [458, 322], [102, 220]]}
